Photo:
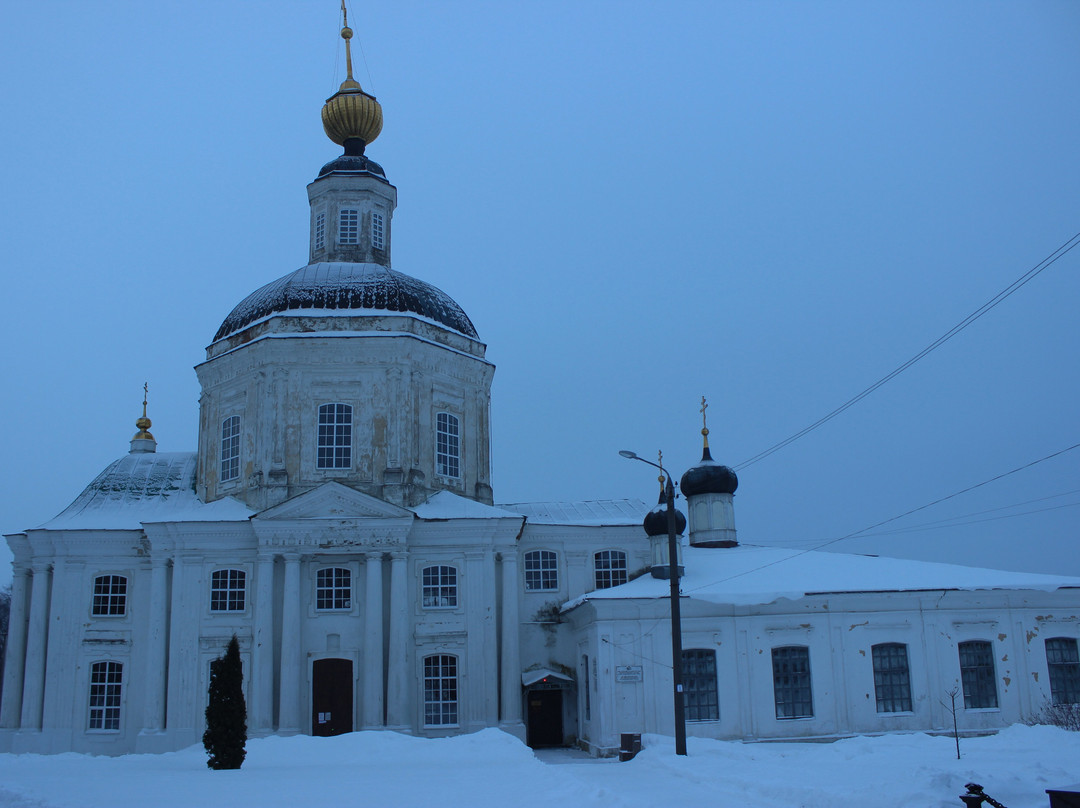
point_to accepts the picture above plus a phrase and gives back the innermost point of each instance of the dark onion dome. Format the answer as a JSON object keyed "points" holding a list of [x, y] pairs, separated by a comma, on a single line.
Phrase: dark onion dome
{"points": [[656, 520], [708, 477], [352, 164], [347, 286]]}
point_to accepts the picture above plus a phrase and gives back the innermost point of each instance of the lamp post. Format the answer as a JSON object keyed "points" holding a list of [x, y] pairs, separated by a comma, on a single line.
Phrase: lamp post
{"points": [[676, 614]]}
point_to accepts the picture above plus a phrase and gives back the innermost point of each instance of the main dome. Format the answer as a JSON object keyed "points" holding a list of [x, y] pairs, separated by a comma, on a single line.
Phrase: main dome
{"points": [[348, 286]]}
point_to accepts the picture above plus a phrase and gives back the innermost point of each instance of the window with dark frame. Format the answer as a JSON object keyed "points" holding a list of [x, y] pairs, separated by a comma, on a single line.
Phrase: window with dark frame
{"points": [[700, 699], [1063, 663], [610, 568], [333, 589], [349, 226], [440, 690], [227, 590], [106, 681], [439, 587], [334, 450], [230, 448], [892, 679], [977, 674], [791, 682], [541, 571], [110, 596], [447, 445]]}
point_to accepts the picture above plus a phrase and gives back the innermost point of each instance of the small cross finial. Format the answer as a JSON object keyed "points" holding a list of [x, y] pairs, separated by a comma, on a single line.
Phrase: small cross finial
{"points": [[704, 422], [346, 34], [145, 393], [660, 461]]}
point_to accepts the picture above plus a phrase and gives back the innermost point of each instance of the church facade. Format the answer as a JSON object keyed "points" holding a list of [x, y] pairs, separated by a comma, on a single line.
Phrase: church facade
{"points": [[338, 518]]}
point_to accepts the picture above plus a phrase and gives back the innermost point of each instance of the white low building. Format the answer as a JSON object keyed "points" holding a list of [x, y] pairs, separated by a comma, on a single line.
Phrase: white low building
{"points": [[338, 517]]}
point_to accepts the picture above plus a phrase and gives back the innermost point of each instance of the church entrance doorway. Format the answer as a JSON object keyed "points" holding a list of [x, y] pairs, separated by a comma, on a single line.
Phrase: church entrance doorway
{"points": [[545, 718], [331, 697]]}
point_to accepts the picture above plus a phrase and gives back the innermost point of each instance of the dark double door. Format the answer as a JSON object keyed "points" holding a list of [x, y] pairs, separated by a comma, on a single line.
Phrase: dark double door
{"points": [[545, 720], [331, 697]]}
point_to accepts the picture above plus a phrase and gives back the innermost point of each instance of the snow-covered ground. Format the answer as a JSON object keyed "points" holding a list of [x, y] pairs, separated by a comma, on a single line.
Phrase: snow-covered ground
{"points": [[494, 770]]}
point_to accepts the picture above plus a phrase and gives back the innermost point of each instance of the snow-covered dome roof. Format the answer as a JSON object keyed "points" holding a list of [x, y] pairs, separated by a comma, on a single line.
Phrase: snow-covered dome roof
{"points": [[346, 286]]}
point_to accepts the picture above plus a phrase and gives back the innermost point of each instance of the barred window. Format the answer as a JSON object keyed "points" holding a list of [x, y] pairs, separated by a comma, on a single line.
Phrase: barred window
{"points": [[227, 590], [106, 680], [610, 567], [892, 680], [378, 231], [440, 690], [320, 230], [333, 588], [541, 571], [1063, 662], [977, 674], [335, 436], [230, 448], [791, 682], [440, 587], [349, 226], [110, 596], [447, 445], [700, 699]]}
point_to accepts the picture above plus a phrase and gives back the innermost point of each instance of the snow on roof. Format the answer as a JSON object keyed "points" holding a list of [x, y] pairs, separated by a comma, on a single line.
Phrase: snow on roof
{"points": [[139, 488], [447, 505], [748, 575], [595, 512]]}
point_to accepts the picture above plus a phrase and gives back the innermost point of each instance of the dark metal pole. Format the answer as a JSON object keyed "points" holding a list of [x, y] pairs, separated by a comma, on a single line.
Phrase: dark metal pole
{"points": [[676, 621]]}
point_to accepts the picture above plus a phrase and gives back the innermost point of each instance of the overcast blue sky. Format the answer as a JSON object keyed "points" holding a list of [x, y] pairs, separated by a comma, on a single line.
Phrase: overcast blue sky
{"points": [[772, 204]]}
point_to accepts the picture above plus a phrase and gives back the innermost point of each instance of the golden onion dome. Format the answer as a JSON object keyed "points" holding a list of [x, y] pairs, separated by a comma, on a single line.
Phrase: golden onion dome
{"points": [[351, 113]]}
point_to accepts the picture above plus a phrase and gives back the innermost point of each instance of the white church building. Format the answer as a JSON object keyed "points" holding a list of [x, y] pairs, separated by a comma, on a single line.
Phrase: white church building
{"points": [[339, 518]]}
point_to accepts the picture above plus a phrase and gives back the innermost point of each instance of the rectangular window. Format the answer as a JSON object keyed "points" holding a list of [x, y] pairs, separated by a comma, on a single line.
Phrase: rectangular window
{"points": [[227, 590], [447, 445], [349, 226], [106, 679], [378, 232], [334, 449], [1063, 663], [977, 674], [110, 596], [541, 571], [230, 448], [610, 567], [700, 699], [440, 587], [791, 682], [892, 681], [320, 230], [333, 589], [440, 691]]}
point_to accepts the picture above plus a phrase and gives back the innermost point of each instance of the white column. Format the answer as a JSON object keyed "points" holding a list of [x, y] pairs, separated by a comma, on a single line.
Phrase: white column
{"points": [[373, 644], [11, 711], [262, 681], [156, 675], [511, 649], [291, 660], [399, 677], [36, 642]]}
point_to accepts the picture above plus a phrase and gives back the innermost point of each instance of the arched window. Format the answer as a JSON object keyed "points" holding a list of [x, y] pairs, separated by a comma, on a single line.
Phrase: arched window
{"points": [[791, 682], [440, 690], [610, 567], [110, 596], [227, 590], [700, 700], [1063, 663], [106, 681], [541, 571], [447, 445], [333, 589], [439, 587], [230, 448], [977, 674], [334, 449], [892, 679]]}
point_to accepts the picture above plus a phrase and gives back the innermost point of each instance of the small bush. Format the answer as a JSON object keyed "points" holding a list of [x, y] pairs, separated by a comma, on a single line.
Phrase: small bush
{"points": [[1066, 716]]}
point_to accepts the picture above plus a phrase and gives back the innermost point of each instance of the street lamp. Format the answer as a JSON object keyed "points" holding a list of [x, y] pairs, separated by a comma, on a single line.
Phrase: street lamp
{"points": [[676, 614]]}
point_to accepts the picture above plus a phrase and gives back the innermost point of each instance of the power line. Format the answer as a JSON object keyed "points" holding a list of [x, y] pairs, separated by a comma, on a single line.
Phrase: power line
{"points": [[952, 332]]}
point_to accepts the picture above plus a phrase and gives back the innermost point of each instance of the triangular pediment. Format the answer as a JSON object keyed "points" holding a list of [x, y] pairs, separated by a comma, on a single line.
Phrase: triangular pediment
{"points": [[334, 501]]}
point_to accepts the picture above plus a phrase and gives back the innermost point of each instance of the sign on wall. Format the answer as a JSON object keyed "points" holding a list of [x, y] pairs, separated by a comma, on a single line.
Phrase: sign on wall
{"points": [[629, 673]]}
